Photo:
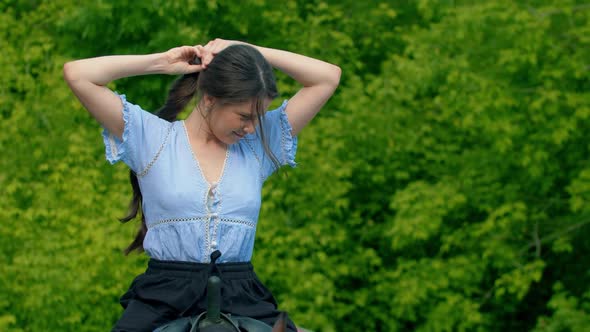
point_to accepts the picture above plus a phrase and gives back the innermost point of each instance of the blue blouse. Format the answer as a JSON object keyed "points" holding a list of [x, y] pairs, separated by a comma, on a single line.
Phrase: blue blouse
{"points": [[187, 217]]}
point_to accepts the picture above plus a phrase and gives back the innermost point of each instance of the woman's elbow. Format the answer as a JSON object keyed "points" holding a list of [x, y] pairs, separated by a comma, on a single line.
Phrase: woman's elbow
{"points": [[74, 71], [335, 73], [69, 72], [333, 76]]}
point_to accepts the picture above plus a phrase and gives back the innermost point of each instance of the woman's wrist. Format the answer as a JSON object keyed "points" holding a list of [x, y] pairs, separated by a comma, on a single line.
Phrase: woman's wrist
{"points": [[158, 63]]}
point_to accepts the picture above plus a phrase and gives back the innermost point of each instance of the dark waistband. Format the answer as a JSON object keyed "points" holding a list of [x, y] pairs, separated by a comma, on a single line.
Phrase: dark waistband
{"points": [[239, 270]]}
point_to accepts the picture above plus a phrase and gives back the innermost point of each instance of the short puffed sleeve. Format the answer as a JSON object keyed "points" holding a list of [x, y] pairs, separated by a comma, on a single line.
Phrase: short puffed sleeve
{"points": [[282, 144], [143, 135]]}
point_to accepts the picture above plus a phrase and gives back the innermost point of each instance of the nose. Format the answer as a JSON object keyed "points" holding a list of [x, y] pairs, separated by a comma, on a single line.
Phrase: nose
{"points": [[248, 128]]}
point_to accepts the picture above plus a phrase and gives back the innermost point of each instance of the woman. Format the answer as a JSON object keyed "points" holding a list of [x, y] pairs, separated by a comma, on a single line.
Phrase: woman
{"points": [[197, 182]]}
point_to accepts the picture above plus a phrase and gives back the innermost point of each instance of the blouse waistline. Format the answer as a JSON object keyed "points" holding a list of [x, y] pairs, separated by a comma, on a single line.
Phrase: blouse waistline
{"points": [[204, 219]]}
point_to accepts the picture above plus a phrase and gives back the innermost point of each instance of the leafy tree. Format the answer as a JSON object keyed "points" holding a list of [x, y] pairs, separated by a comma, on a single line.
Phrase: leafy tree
{"points": [[444, 188]]}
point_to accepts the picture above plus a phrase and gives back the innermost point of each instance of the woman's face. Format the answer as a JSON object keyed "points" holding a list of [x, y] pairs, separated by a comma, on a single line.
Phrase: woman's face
{"points": [[231, 122]]}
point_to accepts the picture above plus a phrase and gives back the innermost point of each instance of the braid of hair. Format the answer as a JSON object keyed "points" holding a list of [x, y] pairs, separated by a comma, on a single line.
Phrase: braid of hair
{"points": [[181, 93]]}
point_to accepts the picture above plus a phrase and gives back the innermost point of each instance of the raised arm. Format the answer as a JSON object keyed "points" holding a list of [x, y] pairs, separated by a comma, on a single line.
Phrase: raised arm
{"points": [[318, 78], [87, 79]]}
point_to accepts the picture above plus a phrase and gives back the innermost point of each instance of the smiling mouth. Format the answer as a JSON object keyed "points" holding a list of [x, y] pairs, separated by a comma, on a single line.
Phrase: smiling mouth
{"points": [[240, 136]]}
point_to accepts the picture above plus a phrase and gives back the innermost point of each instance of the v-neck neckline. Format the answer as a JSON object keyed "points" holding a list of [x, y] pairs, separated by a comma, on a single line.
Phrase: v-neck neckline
{"points": [[198, 165]]}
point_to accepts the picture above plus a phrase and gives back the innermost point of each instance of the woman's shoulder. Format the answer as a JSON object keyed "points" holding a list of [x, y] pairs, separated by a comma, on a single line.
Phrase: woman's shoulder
{"points": [[144, 136]]}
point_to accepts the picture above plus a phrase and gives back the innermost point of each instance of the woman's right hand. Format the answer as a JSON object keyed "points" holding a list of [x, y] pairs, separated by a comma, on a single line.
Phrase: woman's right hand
{"points": [[181, 60], [213, 47]]}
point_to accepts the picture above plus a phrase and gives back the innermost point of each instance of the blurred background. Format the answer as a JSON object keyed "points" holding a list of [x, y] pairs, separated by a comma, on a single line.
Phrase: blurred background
{"points": [[444, 187]]}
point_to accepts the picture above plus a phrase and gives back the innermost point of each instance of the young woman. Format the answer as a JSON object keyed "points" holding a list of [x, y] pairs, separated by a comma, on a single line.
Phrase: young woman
{"points": [[197, 182]]}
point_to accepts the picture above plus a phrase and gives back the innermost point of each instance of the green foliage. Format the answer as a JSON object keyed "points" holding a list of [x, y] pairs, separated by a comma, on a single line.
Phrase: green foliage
{"points": [[569, 313], [445, 187]]}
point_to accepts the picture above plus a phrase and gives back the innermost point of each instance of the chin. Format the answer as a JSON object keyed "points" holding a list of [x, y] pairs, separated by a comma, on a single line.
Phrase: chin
{"points": [[236, 138], [232, 140]]}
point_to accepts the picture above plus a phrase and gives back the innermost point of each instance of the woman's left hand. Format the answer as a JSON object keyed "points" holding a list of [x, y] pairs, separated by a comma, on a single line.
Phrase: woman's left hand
{"points": [[213, 47]]}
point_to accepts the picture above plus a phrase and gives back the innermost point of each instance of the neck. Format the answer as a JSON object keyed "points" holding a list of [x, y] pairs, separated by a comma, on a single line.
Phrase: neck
{"points": [[199, 130]]}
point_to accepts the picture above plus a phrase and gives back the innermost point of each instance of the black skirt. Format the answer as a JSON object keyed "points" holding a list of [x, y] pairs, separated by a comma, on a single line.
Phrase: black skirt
{"points": [[169, 290]]}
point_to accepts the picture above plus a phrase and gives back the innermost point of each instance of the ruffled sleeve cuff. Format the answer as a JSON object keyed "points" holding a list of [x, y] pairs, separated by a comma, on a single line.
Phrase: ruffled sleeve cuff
{"points": [[117, 149], [288, 142]]}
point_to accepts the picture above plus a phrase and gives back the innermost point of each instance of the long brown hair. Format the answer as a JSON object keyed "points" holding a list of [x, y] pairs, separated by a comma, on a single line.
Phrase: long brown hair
{"points": [[237, 74]]}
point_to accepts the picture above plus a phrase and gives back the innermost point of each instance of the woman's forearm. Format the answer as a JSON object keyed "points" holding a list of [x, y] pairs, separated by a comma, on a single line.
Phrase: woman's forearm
{"points": [[303, 69], [88, 79], [102, 70]]}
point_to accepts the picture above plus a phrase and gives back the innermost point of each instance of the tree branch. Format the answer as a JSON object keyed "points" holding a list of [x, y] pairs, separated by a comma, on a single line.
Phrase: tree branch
{"points": [[537, 240], [553, 236]]}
